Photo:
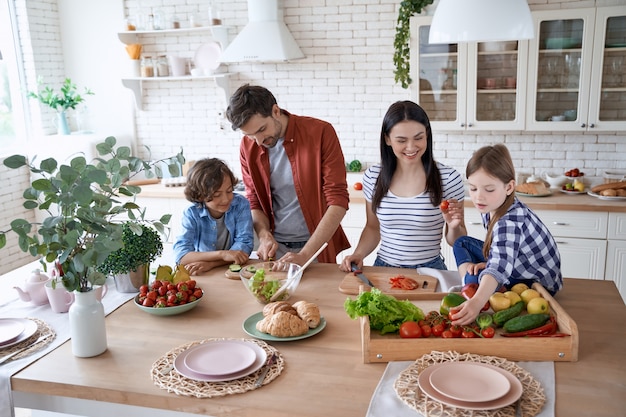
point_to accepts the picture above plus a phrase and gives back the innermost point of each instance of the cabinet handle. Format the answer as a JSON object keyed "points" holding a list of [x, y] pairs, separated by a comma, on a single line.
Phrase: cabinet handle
{"points": [[582, 125], [475, 223], [559, 242], [560, 224], [462, 124], [592, 125]]}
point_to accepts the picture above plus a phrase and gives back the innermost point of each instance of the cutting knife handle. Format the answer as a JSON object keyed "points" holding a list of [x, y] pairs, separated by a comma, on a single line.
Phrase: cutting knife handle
{"points": [[355, 268]]}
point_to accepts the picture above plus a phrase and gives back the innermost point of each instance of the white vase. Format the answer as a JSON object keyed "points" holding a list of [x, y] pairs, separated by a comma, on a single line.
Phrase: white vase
{"points": [[87, 328]]}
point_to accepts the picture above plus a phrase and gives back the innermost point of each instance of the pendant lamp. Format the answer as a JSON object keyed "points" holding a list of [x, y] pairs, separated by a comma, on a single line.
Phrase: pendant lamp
{"points": [[481, 21]]}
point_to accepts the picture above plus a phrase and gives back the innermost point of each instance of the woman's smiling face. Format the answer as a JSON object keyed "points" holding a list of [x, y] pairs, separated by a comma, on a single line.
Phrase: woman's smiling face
{"points": [[488, 193], [408, 140]]}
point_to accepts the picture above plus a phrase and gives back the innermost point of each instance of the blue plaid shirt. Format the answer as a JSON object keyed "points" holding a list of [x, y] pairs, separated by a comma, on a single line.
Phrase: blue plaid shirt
{"points": [[523, 248], [200, 231]]}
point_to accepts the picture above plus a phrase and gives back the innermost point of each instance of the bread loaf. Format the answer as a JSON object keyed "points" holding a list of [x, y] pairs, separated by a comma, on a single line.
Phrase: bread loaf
{"points": [[609, 186], [276, 306], [282, 324], [309, 312], [533, 188]]}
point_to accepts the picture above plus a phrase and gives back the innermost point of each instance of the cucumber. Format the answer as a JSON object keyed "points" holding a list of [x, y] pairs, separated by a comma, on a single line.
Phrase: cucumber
{"points": [[525, 322], [234, 268], [502, 316]]}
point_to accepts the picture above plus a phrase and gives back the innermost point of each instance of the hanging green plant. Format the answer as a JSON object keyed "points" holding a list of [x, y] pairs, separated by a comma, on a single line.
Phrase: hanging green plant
{"points": [[401, 43]]}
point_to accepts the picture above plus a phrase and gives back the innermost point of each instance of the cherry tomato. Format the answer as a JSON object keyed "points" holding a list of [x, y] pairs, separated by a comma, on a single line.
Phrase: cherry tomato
{"points": [[410, 329], [445, 205], [438, 329], [468, 333], [447, 334], [488, 332], [456, 331], [426, 330], [358, 186]]}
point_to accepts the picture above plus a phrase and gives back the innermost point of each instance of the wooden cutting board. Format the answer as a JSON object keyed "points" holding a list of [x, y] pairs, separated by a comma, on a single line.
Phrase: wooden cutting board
{"points": [[379, 276]]}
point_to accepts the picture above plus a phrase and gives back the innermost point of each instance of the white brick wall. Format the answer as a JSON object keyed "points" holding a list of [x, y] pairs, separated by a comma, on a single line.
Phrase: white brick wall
{"points": [[346, 79]]}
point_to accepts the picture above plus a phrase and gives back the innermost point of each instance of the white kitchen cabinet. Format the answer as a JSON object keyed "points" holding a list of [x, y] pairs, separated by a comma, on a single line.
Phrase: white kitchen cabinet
{"points": [[468, 86], [576, 67], [616, 252]]}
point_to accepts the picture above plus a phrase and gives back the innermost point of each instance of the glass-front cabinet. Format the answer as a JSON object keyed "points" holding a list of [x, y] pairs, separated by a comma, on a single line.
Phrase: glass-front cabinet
{"points": [[577, 79], [469, 86]]}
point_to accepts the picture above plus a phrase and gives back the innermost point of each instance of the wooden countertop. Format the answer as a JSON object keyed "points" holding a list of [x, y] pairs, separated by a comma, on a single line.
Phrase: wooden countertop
{"points": [[557, 201], [324, 375]]}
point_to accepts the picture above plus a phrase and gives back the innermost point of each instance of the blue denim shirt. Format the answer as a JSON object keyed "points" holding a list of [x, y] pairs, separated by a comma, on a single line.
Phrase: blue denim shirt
{"points": [[200, 231]]}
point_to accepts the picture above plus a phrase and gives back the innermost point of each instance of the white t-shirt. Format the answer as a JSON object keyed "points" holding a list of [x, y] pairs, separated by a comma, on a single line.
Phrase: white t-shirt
{"points": [[411, 228]]}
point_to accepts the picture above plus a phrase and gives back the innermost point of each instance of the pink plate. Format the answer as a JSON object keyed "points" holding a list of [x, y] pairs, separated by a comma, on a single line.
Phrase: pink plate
{"points": [[30, 327], [468, 381], [10, 329], [260, 357], [509, 398], [220, 358]]}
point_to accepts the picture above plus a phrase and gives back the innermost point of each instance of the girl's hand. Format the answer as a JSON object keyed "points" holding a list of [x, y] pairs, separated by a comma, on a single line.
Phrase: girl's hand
{"points": [[466, 313], [235, 257], [474, 269], [453, 212], [346, 264]]}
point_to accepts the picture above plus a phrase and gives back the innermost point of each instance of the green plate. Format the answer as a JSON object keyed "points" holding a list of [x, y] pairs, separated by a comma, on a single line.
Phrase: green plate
{"points": [[249, 326], [167, 311]]}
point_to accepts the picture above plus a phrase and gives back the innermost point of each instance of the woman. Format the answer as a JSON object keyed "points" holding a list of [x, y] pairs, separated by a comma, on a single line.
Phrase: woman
{"points": [[518, 247], [403, 196]]}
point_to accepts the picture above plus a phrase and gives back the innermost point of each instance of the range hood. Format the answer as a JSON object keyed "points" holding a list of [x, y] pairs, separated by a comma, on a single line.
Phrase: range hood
{"points": [[265, 38]]}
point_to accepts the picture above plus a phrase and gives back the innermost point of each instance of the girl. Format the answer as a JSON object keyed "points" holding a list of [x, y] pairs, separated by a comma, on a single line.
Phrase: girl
{"points": [[217, 228], [518, 247], [403, 195]]}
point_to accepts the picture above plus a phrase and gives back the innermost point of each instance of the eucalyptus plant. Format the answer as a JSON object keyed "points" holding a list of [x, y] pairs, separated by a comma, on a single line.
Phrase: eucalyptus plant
{"points": [[401, 43], [86, 205]]}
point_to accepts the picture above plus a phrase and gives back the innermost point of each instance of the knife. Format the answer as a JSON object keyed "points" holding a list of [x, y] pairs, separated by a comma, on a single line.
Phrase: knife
{"points": [[261, 378], [360, 275]]}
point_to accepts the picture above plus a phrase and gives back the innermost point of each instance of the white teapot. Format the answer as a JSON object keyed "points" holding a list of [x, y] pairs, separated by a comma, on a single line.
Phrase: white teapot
{"points": [[34, 289]]}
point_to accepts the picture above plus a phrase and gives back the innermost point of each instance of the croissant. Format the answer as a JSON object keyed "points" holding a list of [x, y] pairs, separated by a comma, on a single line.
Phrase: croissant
{"points": [[276, 306], [309, 312], [282, 324]]}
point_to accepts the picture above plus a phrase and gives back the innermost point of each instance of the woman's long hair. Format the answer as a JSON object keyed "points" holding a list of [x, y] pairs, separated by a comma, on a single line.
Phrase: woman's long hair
{"points": [[495, 161], [399, 112]]}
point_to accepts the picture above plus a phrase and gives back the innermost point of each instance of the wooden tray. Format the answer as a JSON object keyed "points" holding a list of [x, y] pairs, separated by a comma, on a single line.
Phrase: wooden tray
{"points": [[386, 348], [380, 278]]}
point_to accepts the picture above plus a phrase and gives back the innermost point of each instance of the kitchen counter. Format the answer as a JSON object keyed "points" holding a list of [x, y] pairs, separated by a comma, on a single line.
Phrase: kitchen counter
{"points": [[323, 376], [557, 201]]}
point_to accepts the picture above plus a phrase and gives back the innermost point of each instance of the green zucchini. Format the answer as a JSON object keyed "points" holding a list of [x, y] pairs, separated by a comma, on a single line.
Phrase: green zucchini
{"points": [[502, 316], [525, 322]]}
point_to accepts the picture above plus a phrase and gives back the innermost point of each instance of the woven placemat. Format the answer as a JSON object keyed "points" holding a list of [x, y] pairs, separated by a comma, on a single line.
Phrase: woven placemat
{"points": [[42, 330], [407, 387], [166, 377]]}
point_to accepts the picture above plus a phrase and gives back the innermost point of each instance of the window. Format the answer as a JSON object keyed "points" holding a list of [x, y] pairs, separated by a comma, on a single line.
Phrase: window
{"points": [[12, 124]]}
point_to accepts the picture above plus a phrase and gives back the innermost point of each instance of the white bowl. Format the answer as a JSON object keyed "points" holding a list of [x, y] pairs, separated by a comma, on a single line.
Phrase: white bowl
{"points": [[264, 279], [556, 181]]}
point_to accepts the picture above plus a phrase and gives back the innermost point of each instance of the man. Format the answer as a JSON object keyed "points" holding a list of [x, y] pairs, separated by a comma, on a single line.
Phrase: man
{"points": [[295, 177]]}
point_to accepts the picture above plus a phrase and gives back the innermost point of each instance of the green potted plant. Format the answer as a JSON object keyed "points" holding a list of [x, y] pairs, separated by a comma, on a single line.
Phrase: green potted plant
{"points": [[86, 206], [130, 265], [401, 43], [67, 98]]}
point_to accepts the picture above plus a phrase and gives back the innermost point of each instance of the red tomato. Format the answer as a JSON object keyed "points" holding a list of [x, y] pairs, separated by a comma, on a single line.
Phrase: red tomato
{"points": [[456, 331], [358, 186], [467, 333], [438, 329], [447, 334], [445, 205], [410, 329], [426, 330], [488, 332]]}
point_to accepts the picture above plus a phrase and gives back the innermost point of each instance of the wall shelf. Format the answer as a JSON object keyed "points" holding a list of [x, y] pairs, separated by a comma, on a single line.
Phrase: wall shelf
{"points": [[219, 33], [135, 84]]}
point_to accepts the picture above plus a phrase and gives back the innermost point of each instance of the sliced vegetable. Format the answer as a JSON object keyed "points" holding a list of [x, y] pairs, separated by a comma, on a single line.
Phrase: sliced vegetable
{"points": [[234, 267], [386, 313], [526, 322], [502, 316], [403, 283]]}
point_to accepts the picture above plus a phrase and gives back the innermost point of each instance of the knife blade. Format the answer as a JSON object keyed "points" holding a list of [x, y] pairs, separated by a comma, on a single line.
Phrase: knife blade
{"points": [[360, 275], [269, 364]]}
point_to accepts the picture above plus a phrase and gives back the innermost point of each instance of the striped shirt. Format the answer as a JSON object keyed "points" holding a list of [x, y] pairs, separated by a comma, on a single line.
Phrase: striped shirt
{"points": [[411, 228], [523, 248]]}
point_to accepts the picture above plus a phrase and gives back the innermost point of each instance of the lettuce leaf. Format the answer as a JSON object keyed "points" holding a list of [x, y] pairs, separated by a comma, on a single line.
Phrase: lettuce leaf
{"points": [[386, 313]]}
